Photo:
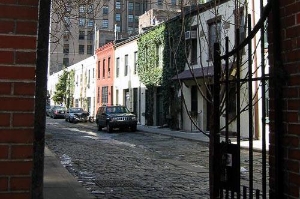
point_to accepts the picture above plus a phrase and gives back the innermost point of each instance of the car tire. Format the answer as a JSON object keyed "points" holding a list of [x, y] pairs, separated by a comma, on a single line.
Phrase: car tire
{"points": [[99, 127], [133, 128], [109, 128]]}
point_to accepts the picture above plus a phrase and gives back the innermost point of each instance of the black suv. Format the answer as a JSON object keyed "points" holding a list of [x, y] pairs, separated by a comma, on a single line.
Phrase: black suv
{"points": [[115, 116]]}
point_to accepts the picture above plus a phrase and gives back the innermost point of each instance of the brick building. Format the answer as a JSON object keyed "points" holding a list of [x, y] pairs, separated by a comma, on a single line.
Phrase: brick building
{"points": [[284, 26], [19, 75]]}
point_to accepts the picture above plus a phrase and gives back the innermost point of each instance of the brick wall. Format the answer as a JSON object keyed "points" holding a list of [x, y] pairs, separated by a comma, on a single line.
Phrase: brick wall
{"points": [[18, 35], [289, 127]]}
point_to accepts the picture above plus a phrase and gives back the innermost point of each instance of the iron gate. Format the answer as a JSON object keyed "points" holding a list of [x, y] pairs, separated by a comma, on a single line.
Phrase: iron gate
{"points": [[230, 176]]}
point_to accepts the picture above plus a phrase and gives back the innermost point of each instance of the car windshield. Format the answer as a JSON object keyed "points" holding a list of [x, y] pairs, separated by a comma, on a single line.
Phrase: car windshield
{"points": [[117, 109], [76, 110], [59, 108]]}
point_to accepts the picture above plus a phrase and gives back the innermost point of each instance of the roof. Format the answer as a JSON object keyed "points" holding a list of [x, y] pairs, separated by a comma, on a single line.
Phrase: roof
{"points": [[196, 72]]}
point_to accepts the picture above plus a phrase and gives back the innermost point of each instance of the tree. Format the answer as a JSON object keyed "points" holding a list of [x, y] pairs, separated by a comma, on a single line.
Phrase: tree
{"points": [[64, 88]]}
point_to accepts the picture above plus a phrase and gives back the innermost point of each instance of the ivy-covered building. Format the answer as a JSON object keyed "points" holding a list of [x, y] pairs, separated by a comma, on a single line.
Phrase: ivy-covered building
{"points": [[160, 57]]}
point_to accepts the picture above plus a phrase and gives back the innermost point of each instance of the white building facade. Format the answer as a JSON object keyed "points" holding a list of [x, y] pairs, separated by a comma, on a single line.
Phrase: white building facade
{"points": [[212, 25], [84, 84], [128, 90]]}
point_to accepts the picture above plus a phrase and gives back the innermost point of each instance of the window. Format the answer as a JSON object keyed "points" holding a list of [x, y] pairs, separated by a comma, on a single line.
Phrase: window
{"points": [[66, 61], [240, 24], [81, 8], [81, 35], [117, 67], [193, 51], [103, 69], [66, 49], [98, 69], [90, 35], [67, 21], [137, 6], [126, 65], [108, 67], [68, 7], [118, 5], [118, 29], [130, 18], [117, 96], [66, 36], [98, 95], [173, 2], [89, 49], [159, 2], [135, 62], [118, 17], [105, 23], [194, 99], [130, 6], [105, 10], [104, 95], [130, 30], [214, 31], [81, 49], [136, 18], [91, 8], [90, 23], [81, 22]]}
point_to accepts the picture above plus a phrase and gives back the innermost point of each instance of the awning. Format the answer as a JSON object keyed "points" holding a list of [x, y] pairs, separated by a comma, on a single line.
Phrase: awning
{"points": [[196, 72]]}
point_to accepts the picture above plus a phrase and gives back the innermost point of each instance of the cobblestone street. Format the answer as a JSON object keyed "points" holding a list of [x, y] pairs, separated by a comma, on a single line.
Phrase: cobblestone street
{"points": [[132, 165]]}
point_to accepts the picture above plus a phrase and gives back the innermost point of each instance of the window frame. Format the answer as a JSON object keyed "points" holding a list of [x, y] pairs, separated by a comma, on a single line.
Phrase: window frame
{"points": [[81, 49], [126, 59], [215, 22]]}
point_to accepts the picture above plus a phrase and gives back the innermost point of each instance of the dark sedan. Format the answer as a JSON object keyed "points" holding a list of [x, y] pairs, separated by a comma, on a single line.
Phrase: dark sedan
{"points": [[75, 115], [57, 112]]}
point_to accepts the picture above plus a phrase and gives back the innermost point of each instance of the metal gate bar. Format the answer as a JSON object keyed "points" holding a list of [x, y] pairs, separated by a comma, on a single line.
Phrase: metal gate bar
{"points": [[230, 191], [250, 110], [264, 151]]}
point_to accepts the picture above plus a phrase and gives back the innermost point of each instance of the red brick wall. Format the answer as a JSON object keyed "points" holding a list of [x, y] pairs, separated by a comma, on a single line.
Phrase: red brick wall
{"points": [[290, 34], [103, 53], [18, 35]]}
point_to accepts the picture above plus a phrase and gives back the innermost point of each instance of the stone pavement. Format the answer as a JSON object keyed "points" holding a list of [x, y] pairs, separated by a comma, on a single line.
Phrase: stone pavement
{"points": [[60, 184]]}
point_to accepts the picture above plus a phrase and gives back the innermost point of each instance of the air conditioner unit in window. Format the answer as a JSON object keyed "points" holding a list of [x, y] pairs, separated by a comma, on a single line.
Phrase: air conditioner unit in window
{"points": [[191, 34]]}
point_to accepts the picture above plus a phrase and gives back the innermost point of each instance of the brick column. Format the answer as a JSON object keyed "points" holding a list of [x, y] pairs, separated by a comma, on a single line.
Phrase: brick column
{"points": [[18, 36], [287, 74]]}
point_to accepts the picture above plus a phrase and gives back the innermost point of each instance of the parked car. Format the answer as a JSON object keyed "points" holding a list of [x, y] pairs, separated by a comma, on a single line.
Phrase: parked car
{"points": [[48, 109], [57, 112], [115, 116], [75, 115]]}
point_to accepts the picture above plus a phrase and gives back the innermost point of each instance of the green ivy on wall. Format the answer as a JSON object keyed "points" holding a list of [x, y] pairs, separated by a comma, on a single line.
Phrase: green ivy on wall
{"points": [[149, 72], [169, 36]]}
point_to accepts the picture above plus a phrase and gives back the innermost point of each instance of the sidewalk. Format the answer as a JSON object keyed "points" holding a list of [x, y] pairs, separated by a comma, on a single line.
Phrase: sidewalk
{"points": [[60, 184], [198, 136]]}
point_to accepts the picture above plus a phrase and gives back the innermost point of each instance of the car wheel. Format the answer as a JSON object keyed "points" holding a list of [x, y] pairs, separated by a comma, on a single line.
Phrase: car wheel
{"points": [[133, 128], [109, 128], [99, 127]]}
